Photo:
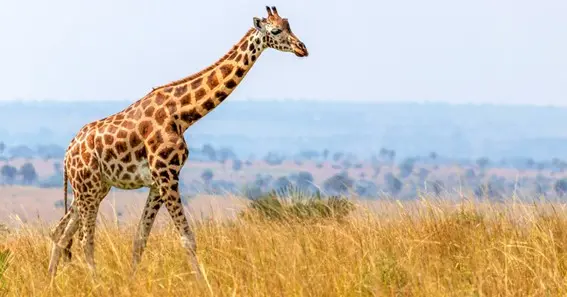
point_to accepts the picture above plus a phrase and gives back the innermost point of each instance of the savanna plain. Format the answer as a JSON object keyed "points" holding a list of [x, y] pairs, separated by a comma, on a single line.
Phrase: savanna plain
{"points": [[431, 246]]}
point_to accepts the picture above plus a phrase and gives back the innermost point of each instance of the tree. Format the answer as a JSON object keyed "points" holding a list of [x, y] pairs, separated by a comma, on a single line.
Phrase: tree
{"points": [[309, 154], [28, 173], [273, 159], [210, 152], [387, 154], [433, 156], [338, 184], [304, 180], [560, 187], [281, 182], [393, 184], [236, 165], [52, 151], [437, 187], [8, 173], [57, 167], [325, 154], [224, 154], [263, 181], [22, 151], [347, 164], [406, 167], [337, 156], [423, 173], [530, 163], [366, 188], [207, 175], [482, 162], [493, 189], [376, 168]]}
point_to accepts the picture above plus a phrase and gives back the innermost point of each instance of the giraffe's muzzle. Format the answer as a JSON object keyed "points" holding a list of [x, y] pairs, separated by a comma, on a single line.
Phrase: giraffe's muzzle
{"points": [[299, 49]]}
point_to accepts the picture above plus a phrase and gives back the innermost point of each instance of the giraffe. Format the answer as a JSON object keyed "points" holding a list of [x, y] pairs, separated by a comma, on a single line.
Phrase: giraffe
{"points": [[143, 145]]}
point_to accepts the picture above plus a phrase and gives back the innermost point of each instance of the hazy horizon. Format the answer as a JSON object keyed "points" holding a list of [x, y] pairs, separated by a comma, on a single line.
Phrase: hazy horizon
{"points": [[505, 52]]}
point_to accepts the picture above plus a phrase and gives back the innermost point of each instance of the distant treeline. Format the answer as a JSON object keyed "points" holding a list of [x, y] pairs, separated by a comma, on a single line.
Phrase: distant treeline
{"points": [[381, 174]]}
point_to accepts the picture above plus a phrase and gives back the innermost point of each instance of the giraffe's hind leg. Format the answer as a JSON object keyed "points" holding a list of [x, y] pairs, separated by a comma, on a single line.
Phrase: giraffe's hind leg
{"points": [[87, 211], [67, 254], [60, 236], [153, 204]]}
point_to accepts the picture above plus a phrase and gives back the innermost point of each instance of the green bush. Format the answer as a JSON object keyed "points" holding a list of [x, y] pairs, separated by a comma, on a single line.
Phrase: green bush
{"points": [[293, 203]]}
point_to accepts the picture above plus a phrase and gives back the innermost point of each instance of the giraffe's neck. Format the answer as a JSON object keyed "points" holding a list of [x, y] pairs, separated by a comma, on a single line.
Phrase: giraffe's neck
{"points": [[200, 93]]}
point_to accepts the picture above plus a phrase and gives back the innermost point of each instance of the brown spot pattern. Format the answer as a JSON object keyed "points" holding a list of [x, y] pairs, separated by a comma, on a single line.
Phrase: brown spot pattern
{"points": [[140, 154], [179, 91], [190, 116], [160, 98], [128, 125], [127, 158], [221, 96], [226, 70], [131, 168], [145, 128], [230, 84], [121, 147], [134, 140], [149, 112], [122, 134], [185, 100], [90, 141], [240, 72], [108, 140], [200, 94], [212, 80], [171, 107], [160, 116], [209, 104], [196, 83]]}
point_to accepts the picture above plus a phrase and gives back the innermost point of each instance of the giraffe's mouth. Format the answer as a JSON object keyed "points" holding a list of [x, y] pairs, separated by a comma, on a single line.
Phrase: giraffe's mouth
{"points": [[300, 50]]}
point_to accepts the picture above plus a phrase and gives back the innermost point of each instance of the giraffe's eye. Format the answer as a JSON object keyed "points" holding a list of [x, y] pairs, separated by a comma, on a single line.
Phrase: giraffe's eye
{"points": [[276, 31]]}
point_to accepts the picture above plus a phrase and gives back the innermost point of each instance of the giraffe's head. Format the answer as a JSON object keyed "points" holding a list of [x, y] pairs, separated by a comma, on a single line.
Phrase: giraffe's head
{"points": [[278, 33]]}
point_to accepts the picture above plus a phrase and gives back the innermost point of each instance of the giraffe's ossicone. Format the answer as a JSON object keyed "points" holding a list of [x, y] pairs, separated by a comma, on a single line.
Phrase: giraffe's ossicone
{"points": [[143, 145]]}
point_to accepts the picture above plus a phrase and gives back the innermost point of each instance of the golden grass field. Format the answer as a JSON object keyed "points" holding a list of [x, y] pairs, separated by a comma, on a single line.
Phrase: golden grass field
{"points": [[422, 248]]}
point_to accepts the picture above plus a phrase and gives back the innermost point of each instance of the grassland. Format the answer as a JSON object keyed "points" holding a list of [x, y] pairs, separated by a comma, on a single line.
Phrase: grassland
{"points": [[422, 248]]}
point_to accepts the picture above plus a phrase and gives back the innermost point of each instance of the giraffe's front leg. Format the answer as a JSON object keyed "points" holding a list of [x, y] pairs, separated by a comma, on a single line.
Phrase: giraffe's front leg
{"points": [[167, 159], [153, 204], [169, 192]]}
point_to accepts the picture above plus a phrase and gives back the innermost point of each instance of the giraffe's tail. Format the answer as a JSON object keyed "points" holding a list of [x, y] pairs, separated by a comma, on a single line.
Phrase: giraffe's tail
{"points": [[65, 177]]}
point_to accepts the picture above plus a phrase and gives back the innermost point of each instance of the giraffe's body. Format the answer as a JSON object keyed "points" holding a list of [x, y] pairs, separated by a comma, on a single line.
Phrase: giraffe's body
{"points": [[143, 145]]}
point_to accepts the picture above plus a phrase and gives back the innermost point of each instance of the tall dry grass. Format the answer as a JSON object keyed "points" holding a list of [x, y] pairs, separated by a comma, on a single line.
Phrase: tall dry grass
{"points": [[422, 248]]}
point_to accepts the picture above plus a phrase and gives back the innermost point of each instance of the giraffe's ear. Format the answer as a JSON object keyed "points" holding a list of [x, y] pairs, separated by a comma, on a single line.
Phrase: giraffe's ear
{"points": [[258, 24]]}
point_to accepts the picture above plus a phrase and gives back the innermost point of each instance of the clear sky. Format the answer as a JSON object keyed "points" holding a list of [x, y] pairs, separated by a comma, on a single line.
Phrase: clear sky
{"points": [[481, 51]]}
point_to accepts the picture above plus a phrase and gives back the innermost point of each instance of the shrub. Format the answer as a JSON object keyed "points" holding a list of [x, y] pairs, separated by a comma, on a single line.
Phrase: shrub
{"points": [[292, 203]]}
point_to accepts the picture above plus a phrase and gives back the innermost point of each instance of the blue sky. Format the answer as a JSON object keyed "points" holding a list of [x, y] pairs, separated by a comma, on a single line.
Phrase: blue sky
{"points": [[482, 51]]}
